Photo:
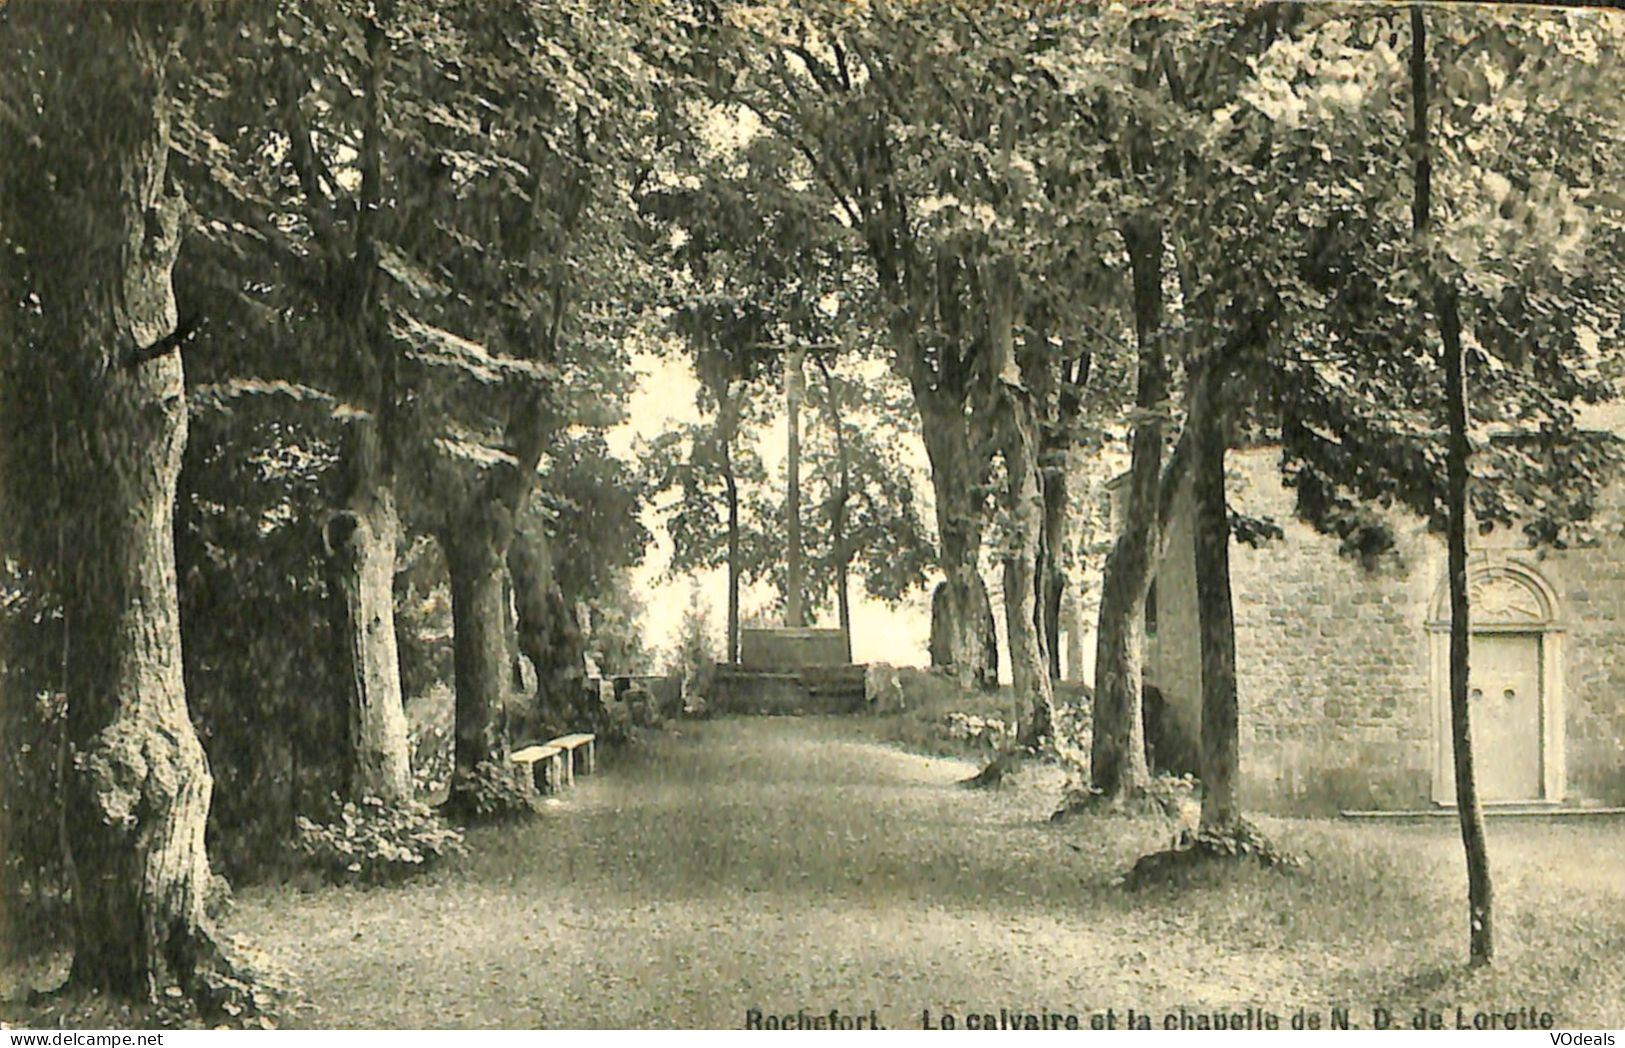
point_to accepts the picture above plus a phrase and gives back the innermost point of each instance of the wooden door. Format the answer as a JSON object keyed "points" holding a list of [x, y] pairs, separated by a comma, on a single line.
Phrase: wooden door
{"points": [[1504, 690]]}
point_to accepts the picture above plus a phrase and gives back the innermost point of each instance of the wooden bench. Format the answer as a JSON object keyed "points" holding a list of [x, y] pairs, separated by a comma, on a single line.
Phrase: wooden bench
{"points": [[571, 745], [553, 761]]}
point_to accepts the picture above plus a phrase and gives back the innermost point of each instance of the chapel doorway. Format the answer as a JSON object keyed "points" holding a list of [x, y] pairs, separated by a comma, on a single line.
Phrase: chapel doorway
{"points": [[1514, 686], [1504, 694]]}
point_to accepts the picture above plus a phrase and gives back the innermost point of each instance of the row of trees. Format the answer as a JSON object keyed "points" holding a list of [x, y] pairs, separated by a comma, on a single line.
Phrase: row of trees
{"points": [[396, 246], [424, 238], [1320, 227]]}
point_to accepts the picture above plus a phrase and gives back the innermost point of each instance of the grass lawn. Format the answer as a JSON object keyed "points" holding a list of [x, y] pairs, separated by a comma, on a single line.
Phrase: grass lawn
{"points": [[785, 863], [797, 863]]}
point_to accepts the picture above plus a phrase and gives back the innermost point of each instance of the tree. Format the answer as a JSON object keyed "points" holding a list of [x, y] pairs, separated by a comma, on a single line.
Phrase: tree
{"points": [[706, 464], [839, 87], [453, 252], [95, 424], [1480, 891], [1497, 271], [871, 520], [298, 237], [1186, 68], [861, 514], [1062, 389], [547, 630], [1228, 319], [746, 277], [577, 535], [544, 249], [696, 646], [1309, 330]]}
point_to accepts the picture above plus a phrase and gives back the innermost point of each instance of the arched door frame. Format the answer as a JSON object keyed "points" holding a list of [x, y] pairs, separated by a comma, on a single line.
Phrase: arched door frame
{"points": [[1509, 596]]}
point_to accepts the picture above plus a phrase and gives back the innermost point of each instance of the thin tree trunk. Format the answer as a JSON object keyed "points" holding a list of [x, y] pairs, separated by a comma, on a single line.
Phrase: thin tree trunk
{"points": [[1051, 576], [1117, 749], [1220, 722], [510, 633], [479, 651], [793, 614], [843, 599], [1480, 892], [728, 423], [1029, 668], [1055, 462], [1060, 402], [838, 508]]}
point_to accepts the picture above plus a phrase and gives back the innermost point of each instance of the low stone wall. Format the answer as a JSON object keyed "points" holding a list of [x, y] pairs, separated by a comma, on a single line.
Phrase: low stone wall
{"points": [[667, 691], [813, 689]]}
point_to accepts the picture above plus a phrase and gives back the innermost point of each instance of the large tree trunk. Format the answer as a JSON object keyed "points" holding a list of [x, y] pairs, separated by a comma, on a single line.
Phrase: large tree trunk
{"points": [[1117, 750], [481, 514], [962, 631], [1029, 667], [476, 566], [138, 787], [360, 541], [547, 631], [1220, 754], [1016, 418], [1117, 746], [97, 221], [360, 537], [1480, 892]]}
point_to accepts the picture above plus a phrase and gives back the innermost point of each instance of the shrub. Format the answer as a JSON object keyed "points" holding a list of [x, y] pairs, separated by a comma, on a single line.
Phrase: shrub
{"points": [[377, 843], [429, 736], [33, 873], [33, 720], [430, 745], [498, 790], [1241, 841], [694, 660], [982, 732], [614, 724], [257, 619], [423, 617]]}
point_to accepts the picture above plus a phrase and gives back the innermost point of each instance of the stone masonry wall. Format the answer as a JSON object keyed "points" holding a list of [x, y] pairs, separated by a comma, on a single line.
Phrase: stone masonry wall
{"points": [[1333, 659], [1590, 583]]}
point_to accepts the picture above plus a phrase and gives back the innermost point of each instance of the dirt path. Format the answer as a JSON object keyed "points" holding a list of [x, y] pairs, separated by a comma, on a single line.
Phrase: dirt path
{"points": [[786, 864]]}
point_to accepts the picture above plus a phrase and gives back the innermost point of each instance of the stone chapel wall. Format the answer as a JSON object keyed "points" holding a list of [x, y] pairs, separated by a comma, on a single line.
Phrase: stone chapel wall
{"points": [[1333, 657]]}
